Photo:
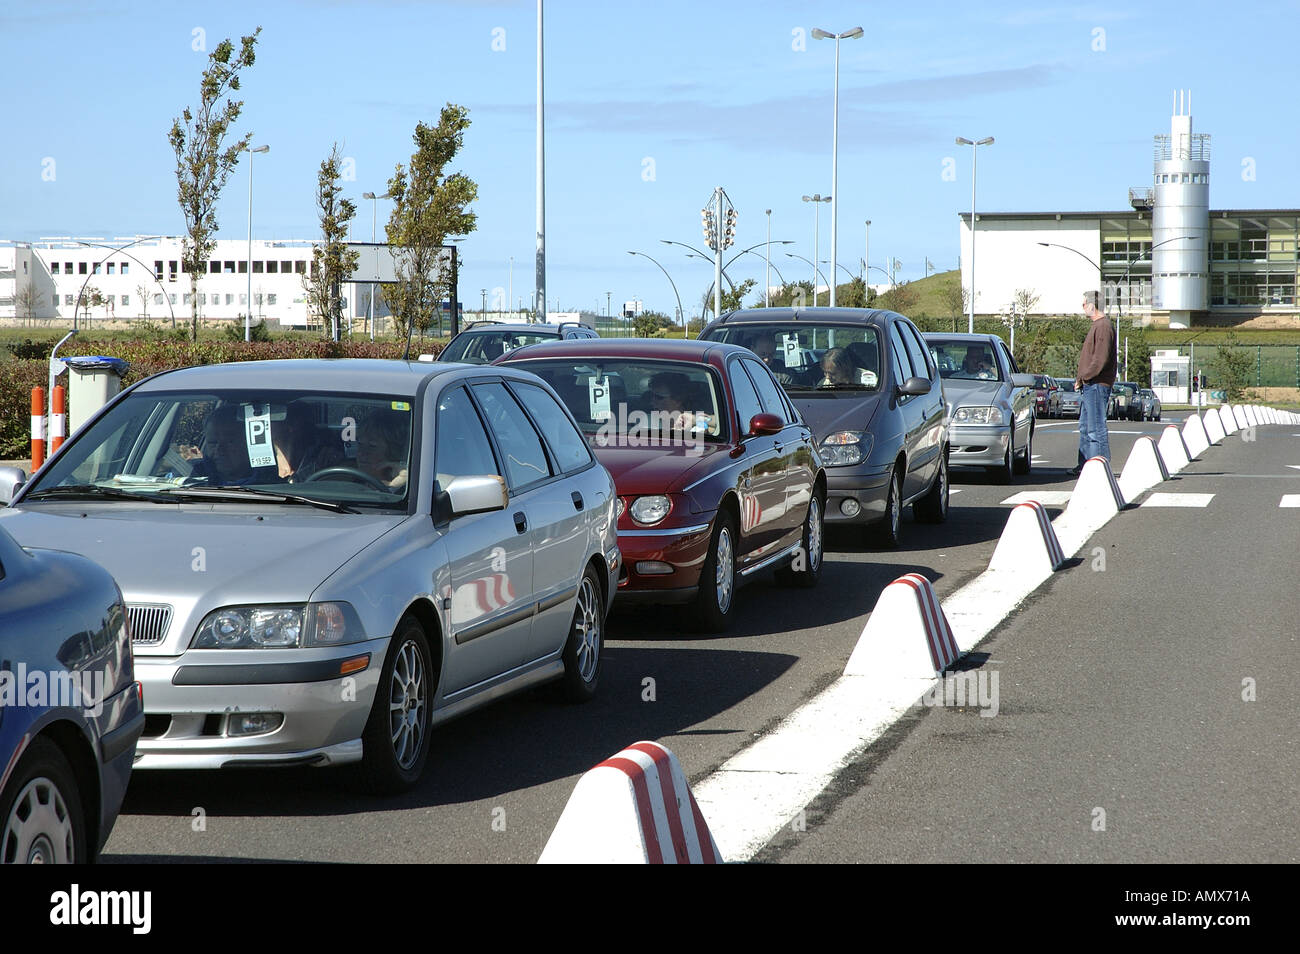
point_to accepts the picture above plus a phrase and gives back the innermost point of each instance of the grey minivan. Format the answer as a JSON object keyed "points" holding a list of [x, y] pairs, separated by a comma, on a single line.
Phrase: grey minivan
{"points": [[862, 380], [323, 559]]}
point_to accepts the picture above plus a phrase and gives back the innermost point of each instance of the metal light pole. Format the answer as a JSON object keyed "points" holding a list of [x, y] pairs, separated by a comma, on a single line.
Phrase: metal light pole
{"points": [[835, 141], [816, 272], [866, 252], [767, 271], [248, 313], [818, 197], [539, 298], [680, 314], [986, 141]]}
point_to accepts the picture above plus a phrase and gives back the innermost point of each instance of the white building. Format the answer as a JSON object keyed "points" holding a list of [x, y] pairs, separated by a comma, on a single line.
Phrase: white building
{"points": [[144, 278]]}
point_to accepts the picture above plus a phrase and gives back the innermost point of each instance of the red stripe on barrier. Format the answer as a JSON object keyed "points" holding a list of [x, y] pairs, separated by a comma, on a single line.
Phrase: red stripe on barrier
{"points": [[926, 622], [708, 851], [1054, 552], [649, 834], [666, 788], [1114, 485], [938, 634]]}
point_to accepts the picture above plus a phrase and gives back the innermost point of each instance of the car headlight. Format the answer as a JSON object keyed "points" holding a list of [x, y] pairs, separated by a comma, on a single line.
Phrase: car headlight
{"points": [[978, 415], [279, 627], [652, 509], [845, 448], [621, 508]]}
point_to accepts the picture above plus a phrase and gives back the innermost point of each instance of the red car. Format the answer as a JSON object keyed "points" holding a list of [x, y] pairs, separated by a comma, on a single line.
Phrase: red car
{"points": [[716, 473]]}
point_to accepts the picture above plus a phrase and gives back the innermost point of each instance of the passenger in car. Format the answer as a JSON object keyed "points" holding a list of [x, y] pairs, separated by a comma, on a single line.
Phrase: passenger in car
{"points": [[222, 455], [838, 368], [383, 443], [301, 446]]}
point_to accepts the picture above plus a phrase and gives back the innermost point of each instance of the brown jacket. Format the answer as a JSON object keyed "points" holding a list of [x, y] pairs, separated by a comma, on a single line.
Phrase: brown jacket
{"points": [[1097, 359]]}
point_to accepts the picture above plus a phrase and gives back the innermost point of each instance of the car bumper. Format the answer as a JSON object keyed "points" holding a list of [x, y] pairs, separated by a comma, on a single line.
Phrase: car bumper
{"points": [[193, 702], [1069, 410], [977, 446], [682, 550], [856, 494]]}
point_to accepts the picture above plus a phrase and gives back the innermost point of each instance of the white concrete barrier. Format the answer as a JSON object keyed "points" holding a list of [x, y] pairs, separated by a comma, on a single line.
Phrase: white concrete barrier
{"points": [[1239, 415], [1028, 543], [906, 635], [1143, 469], [1173, 450], [1252, 415], [1096, 490], [633, 808], [1194, 436], [1228, 419], [1214, 430]]}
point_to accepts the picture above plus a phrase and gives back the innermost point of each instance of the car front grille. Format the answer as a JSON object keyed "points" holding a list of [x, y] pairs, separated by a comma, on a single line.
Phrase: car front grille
{"points": [[149, 622]]}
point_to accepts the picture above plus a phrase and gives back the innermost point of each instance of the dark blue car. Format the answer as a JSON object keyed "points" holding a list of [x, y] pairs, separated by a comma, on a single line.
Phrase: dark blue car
{"points": [[70, 709]]}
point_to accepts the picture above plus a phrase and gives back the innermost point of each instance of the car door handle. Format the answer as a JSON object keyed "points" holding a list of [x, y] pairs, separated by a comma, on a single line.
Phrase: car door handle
{"points": [[577, 500], [521, 523], [778, 447]]}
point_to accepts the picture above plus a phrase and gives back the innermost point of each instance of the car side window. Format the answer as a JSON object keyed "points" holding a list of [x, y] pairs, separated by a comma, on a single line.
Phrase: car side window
{"points": [[461, 445], [747, 402], [916, 351], [567, 445], [902, 363], [521, 445], [769, 392], [1008, 358]]}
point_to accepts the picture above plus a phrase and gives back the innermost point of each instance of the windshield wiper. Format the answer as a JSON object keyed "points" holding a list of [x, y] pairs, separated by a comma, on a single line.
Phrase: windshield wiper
{"points": [[233, 492], [92, 492]]}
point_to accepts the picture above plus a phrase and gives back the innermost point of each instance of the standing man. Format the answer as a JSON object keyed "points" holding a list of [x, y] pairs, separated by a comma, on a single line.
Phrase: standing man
{"points": [[1093, 380]]}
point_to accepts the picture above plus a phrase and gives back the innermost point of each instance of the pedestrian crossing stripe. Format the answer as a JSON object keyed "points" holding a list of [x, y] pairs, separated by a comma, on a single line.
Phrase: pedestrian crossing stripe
{"points": [[1290, 500], [1177, 500]]}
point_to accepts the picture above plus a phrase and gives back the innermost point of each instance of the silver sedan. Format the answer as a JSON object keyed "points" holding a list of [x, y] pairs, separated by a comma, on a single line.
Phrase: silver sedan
{"points": [[323, 560]]}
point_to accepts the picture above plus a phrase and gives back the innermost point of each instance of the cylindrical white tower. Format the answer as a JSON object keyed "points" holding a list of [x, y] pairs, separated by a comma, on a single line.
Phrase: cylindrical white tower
{"points": [[1180, 235]]}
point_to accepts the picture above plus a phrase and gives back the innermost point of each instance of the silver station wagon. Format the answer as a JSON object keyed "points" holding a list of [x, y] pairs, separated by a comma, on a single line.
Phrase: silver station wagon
{"points": [[324, 559]]}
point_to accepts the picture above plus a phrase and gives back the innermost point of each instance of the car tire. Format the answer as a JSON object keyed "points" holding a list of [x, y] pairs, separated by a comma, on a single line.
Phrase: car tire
{"points": [[1025, 464], [933, 507], [586, 640], [887, 532], [41, 819], [715, 603], [812, 549], [1001, 474], [395, 743]]}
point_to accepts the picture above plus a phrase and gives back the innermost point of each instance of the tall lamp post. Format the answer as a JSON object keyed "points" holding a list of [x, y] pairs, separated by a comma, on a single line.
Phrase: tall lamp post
{"points": [[248, 313], [767, 271], [816, 273], [817, 197], [681, 316], [974, 151], [819, 34], [370, 308], [866, 250]]}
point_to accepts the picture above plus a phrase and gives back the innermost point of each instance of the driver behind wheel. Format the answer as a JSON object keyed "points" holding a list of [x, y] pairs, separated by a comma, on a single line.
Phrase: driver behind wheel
{"points": [[382, 445], [302, 447], [222, 455]]}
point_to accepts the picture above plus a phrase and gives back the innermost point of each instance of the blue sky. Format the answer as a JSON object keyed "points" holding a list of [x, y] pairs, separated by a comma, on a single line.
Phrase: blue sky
{"points": [[649, 106]]}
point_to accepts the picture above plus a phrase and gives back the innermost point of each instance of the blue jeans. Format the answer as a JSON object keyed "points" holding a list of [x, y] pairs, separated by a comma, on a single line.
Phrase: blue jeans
{"points": [[1094, 439]]}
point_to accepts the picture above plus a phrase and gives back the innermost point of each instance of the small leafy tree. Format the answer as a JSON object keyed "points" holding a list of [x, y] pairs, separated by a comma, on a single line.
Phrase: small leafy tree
{"points": [[954, 298], [1026, 299], [901, 298], [428, 205], [203, 161], [332, 262], [1231, 368], [29, 301]]}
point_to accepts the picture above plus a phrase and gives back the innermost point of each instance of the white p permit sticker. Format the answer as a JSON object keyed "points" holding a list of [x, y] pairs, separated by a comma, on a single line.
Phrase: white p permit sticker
{"points": [[791, 351], [598, 399], [257, 436]]}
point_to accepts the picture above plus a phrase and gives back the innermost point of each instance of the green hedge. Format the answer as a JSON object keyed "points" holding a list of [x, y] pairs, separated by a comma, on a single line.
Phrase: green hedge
{"points": [[151, 354]]}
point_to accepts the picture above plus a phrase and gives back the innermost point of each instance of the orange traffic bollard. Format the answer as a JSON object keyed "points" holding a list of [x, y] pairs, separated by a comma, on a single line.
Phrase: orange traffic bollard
{"points": [[58, 407], [38, 428]]}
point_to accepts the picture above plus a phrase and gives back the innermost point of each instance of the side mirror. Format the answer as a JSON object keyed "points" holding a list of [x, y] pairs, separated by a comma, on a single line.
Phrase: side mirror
{"points": [[1022, 380], [761, 424], [11, 478], [477, 494], [914, 386]]}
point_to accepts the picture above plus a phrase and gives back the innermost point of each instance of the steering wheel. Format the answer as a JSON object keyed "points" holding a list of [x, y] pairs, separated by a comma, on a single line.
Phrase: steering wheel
{"points": [[360, 476]]}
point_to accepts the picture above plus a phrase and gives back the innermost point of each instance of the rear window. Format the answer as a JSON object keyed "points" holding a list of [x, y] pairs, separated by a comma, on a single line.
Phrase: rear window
{"points": [[484, 347], [804, 356]]}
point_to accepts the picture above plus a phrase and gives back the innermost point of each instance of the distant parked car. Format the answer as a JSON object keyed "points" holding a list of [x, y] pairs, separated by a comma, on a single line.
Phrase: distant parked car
{"points": [[484, 343], [1123, 402], [1047, 396], [1150, 404], [323, 560], [1070, 398], [864, 382], [65, 755], [990, 403], [716, 473]]}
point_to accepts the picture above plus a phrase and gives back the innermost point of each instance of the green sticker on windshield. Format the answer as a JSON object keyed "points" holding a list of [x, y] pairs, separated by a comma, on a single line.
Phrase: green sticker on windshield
{"points": [[401, 406]]}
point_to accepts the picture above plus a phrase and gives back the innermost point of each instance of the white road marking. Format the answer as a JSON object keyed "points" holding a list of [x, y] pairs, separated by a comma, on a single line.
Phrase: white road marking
{"points": [[1178, 500], [1045, 497], [953, 490], [1296, 466], [1290, 500]]}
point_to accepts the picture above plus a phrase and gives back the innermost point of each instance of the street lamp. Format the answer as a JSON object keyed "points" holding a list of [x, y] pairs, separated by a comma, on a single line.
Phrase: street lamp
{"points": [[370, 308], [819, 34], [974, 151], [680, 314], [816, 273], [818, 197], [866, 250], [767, 271], [248, 313]]}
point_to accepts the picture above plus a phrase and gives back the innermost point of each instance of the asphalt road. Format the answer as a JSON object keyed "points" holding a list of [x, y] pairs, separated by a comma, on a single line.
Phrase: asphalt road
{"points": [[1076, 700]]}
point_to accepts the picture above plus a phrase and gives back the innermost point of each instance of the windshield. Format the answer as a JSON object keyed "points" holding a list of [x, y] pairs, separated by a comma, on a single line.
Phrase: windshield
{"points": [[633, 397], [804, 356], [972, 360], [484, 347], [340, 449]]}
